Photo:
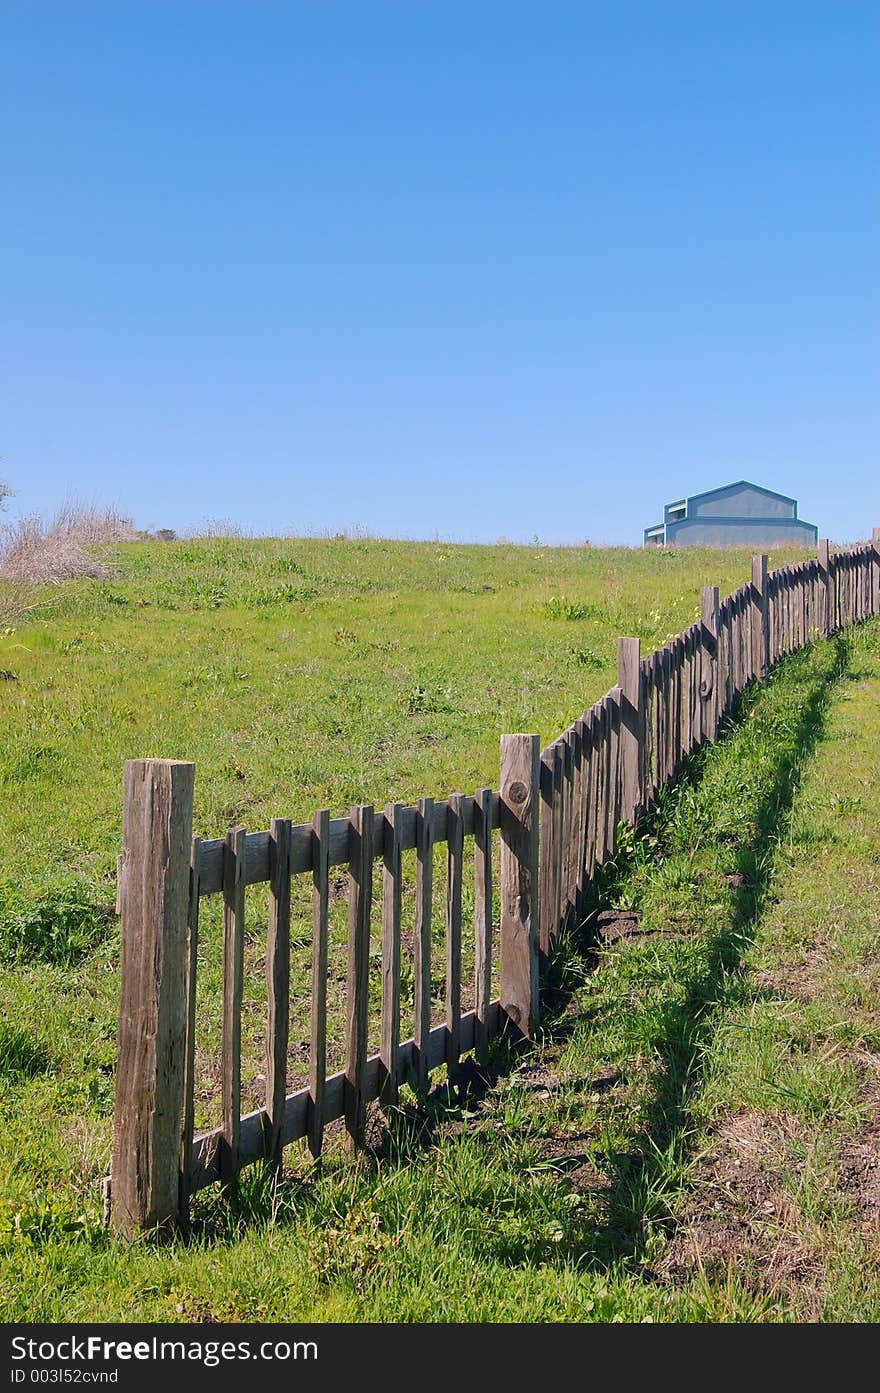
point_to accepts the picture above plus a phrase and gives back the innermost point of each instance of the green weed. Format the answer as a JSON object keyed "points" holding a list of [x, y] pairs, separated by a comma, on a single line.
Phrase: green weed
{"points": [[59, 926]]}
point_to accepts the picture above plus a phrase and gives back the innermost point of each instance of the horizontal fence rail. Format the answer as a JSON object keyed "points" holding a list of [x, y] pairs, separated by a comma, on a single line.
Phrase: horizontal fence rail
{"points": [[554, 820]]}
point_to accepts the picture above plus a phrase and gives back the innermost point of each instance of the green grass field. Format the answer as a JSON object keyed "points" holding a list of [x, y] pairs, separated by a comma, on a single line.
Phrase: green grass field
{"points": [[692, 1139]]}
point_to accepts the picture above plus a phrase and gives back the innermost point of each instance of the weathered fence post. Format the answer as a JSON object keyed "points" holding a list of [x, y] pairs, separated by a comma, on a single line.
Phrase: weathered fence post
{"points": [[519, 818], [709, 660], [826, 581], [875, 588], [760, 618], [154, 902], [632, 728], [547, 927]]}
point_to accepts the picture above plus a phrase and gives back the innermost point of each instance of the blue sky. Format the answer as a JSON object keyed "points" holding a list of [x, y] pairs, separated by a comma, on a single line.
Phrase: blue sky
{"points": [[442, 267]]}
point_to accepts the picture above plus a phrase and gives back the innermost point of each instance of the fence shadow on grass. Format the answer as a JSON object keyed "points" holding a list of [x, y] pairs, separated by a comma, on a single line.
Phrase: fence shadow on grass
{"points": [[635, 1199]]}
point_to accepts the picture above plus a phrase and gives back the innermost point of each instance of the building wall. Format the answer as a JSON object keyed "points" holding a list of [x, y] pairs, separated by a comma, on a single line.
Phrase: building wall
{"points": [[743, 503], [741, 532]]}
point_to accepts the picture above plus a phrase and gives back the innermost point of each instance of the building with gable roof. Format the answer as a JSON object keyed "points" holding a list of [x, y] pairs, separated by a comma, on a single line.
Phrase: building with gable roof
{"points": [[740, 514]]}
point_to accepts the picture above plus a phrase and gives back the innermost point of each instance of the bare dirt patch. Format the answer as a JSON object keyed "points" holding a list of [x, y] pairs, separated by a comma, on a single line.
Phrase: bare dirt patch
{"points": [[571, 1155], [799, 978], [613, 925], [339, 887], [741, 1214], [858, 1176], [568, 1150]]}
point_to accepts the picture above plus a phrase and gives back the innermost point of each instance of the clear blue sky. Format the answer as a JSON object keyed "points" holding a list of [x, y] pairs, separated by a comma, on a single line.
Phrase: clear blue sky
{"points": [[444, 267]]}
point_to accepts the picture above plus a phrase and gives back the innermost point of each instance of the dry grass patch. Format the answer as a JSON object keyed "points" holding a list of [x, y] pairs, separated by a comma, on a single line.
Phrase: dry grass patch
{"points": [[742, 1215], [35, 552]]}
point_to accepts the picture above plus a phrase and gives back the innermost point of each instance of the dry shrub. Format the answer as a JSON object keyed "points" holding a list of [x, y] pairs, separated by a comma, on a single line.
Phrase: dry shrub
{"points": [[16, 600], [33, 551], [225, 528], [91, 526]]}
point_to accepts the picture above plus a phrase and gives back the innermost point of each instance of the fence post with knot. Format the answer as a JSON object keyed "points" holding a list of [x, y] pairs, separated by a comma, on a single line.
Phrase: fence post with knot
{"points": [[632, 729], [519, 808], [828, 588], [709, 660], [760, 619]]}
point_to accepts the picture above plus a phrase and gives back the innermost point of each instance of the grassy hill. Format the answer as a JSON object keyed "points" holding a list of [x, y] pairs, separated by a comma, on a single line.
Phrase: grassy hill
{"points": [[301, 674], [298, 674], [305, 674]]}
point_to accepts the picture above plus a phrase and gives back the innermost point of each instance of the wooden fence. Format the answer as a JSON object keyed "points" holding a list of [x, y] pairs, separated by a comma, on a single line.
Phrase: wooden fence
{"points": [[556, 814]]}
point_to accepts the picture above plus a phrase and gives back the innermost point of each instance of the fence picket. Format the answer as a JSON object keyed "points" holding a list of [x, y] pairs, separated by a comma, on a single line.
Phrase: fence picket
{"points": [[593, 792], [320, 941], [556, 872], [613, 769], [392, 870], [422, 941], [546, 846], [454, 871], [360, 899], [482, 921], [584, 755], [577, 822], [233, 966], [277, 985], [189, 1052]]}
